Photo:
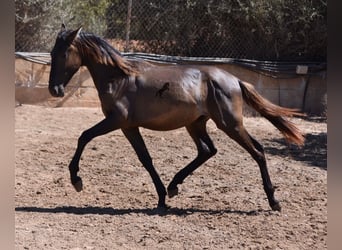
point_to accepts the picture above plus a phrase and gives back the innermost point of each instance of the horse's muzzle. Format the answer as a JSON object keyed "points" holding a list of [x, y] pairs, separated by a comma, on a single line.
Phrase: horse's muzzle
{"points": [[57, 90]]}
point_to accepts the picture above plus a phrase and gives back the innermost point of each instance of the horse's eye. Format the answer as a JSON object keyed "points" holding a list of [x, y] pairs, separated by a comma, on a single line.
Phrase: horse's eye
{"points": [[63, 55]]}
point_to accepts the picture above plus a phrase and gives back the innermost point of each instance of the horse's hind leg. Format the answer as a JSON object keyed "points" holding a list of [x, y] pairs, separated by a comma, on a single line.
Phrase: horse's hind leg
{"points": [[205, 148], [241, 136], [134, 137], [225, 108]]}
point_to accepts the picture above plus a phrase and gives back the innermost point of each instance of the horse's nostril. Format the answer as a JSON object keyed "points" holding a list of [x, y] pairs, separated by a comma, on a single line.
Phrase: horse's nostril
{"points": [[60, 94], [60, 90], [57, 91], [52, 91]]}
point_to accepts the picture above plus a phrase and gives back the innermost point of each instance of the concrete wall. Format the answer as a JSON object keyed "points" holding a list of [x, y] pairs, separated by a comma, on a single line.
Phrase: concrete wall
{"points": [[31, 81], [306, 93]]}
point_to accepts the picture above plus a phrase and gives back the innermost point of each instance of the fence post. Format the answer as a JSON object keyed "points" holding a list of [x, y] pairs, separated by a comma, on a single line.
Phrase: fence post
{"points": [[128, 24]]}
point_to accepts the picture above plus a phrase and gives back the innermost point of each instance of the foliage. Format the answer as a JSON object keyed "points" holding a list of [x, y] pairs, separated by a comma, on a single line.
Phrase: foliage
{"points": [[38, 20], [253, 29]]}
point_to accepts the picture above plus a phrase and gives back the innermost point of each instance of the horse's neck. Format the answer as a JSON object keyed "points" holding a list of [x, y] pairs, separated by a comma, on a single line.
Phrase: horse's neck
{"points": [[103, 75]]}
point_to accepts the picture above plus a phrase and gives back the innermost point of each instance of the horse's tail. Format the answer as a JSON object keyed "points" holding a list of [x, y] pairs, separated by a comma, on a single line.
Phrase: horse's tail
{"points": [[273, 113]]}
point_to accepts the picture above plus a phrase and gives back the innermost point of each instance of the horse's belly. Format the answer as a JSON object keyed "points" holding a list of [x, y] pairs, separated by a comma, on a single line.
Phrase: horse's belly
{"points": [[169, 119], [169, 105]]}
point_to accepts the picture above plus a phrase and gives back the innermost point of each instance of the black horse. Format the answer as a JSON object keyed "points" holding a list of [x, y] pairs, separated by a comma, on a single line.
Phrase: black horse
{"points": [[135, 93]]}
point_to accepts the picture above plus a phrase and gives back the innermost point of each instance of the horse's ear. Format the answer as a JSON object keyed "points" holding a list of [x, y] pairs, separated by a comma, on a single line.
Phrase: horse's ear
{"points": [[74, 34], [63, 27]]}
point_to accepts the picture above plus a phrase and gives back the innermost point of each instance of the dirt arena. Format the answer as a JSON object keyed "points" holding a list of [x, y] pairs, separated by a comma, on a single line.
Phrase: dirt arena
{"points": [[221, 206]]}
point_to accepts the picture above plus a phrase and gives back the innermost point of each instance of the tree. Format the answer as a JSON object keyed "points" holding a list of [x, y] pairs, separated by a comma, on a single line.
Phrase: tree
{"points": [[38, 21], [253, 29]]}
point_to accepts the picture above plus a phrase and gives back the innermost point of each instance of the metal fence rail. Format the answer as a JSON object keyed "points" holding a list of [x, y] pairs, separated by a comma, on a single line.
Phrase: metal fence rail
{"points": [[270, 68]]}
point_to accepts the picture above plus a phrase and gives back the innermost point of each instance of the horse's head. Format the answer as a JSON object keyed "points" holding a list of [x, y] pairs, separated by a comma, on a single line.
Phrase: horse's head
{"points": [[65, 61]]}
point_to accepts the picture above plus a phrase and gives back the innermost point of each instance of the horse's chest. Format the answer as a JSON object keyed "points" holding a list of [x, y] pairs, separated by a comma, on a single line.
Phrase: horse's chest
{"points": [[114, 100]]}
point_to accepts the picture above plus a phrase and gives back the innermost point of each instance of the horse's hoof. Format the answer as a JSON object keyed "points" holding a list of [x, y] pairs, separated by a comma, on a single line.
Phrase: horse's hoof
{"points": [[172, 192], [78, 185], [161, 210], [276, 207]]}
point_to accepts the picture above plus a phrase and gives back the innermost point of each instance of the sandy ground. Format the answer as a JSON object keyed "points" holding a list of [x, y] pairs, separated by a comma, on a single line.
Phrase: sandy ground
{"points": [[221, 206]]}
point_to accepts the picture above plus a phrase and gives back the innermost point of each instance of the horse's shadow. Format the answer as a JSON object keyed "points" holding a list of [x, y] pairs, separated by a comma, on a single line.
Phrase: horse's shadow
{"points": [[147, 211], [313, 152]]}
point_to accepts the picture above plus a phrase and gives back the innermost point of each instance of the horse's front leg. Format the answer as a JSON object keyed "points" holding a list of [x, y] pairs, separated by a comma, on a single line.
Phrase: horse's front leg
{"points": [[134, 137], [105, 126]]}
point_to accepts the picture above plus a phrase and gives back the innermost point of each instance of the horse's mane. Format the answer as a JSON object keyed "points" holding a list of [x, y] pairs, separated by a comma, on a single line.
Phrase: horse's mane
{"points": [[103, 52]]}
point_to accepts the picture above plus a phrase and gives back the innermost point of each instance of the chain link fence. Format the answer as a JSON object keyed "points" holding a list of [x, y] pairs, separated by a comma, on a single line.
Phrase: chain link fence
{"points": [[281, 30]]}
